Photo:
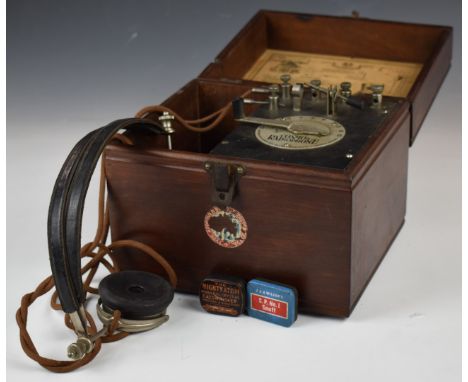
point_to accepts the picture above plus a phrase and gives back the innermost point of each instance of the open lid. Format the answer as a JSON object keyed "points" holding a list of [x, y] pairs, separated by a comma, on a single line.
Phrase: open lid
{"points": [[411, 60]]}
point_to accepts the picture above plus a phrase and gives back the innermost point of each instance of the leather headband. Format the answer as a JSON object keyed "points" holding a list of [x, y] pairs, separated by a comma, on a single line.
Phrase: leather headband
{"points": [[66, 208]]}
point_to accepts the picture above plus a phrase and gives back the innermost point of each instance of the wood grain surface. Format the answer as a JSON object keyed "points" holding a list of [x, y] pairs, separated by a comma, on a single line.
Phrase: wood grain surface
{"points": [[323, 231]]}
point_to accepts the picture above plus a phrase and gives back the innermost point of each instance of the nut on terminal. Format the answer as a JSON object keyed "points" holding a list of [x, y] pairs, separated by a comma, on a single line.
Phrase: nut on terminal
{"points": [[166, 120], [80, 348]]}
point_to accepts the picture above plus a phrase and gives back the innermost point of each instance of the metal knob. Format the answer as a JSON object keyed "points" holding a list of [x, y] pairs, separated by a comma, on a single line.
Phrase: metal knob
{"points": [[77, 350], [273, 97], [285, 89], [345, 89], [285, 78], [331, 98], [274, 89], [315, 92], [297, 94], [166, 120], [377, 88], [377, 91]]}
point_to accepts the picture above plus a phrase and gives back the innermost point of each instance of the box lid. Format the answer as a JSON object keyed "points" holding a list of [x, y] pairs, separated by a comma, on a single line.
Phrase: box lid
{"points": [[410, 59]]}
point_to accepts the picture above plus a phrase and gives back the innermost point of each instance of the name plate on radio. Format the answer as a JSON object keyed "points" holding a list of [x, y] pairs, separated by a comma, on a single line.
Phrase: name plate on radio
{"points": [[325, 132]]}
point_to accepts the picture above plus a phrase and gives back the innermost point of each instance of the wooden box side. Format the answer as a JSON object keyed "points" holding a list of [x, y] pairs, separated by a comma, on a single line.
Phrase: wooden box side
{"points": [[357, 37], [298, 225], [379, 206], [429, 81], [237, 57], [352, 36]]}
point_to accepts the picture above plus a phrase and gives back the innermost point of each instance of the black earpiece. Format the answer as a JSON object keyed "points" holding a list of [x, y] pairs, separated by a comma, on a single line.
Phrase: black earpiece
{"points": [[137, 295], [140, 297]]}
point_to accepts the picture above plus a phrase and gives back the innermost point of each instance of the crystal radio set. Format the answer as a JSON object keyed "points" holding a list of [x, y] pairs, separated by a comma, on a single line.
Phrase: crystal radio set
{"points": [[272, 184], [305, 124]]}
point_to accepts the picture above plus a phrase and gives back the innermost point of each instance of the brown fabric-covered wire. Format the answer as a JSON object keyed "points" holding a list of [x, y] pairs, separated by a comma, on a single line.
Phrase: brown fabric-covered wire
{"points": [[96, 251], [218, 116]]}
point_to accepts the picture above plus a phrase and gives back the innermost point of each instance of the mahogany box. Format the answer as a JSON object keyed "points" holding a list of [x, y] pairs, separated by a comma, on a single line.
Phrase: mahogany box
{"points": [[322, 230]]}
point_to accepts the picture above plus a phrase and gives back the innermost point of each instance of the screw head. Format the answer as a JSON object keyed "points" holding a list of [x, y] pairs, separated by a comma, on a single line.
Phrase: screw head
{"points": [[240, 170], [349, 156], [207, 166]]}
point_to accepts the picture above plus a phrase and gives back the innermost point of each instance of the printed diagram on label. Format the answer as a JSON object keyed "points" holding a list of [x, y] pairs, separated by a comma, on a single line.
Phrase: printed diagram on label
{"points": [[398, 77]]}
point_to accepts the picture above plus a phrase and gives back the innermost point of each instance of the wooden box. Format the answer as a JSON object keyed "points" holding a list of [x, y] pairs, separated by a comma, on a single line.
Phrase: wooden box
{"points": [[321, 230]]}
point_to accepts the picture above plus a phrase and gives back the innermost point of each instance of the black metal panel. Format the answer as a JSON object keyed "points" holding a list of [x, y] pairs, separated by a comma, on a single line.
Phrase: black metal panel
{"points": [[360, 125]]}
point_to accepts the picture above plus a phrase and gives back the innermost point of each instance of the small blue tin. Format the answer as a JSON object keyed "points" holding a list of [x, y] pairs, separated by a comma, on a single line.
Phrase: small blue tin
{"points": [[272, 302]]}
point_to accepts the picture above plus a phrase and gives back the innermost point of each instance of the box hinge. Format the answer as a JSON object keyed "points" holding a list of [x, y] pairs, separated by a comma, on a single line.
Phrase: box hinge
{"points": [[224, 179]]}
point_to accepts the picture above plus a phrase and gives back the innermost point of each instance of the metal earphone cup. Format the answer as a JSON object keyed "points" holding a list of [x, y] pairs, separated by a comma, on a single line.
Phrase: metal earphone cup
{"points": [[136, 294]]}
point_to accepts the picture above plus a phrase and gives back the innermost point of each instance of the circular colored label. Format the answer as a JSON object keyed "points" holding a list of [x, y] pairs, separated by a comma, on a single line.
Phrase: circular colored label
{"points": [[227, 227]]}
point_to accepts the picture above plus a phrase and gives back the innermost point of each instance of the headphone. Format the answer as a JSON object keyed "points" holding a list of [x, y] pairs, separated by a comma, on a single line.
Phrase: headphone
{"points": [[129, 301]]}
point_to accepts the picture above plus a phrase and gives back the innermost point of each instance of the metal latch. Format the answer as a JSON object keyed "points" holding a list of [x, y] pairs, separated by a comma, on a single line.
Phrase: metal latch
{"points": [[224, 179]]}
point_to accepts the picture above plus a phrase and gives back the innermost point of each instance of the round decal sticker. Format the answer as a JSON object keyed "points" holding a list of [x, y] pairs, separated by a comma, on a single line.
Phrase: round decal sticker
{"points": [[227, 227]]}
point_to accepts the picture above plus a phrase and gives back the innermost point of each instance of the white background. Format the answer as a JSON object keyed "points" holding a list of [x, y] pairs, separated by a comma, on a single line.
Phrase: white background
{"points": [[407, 325]]}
